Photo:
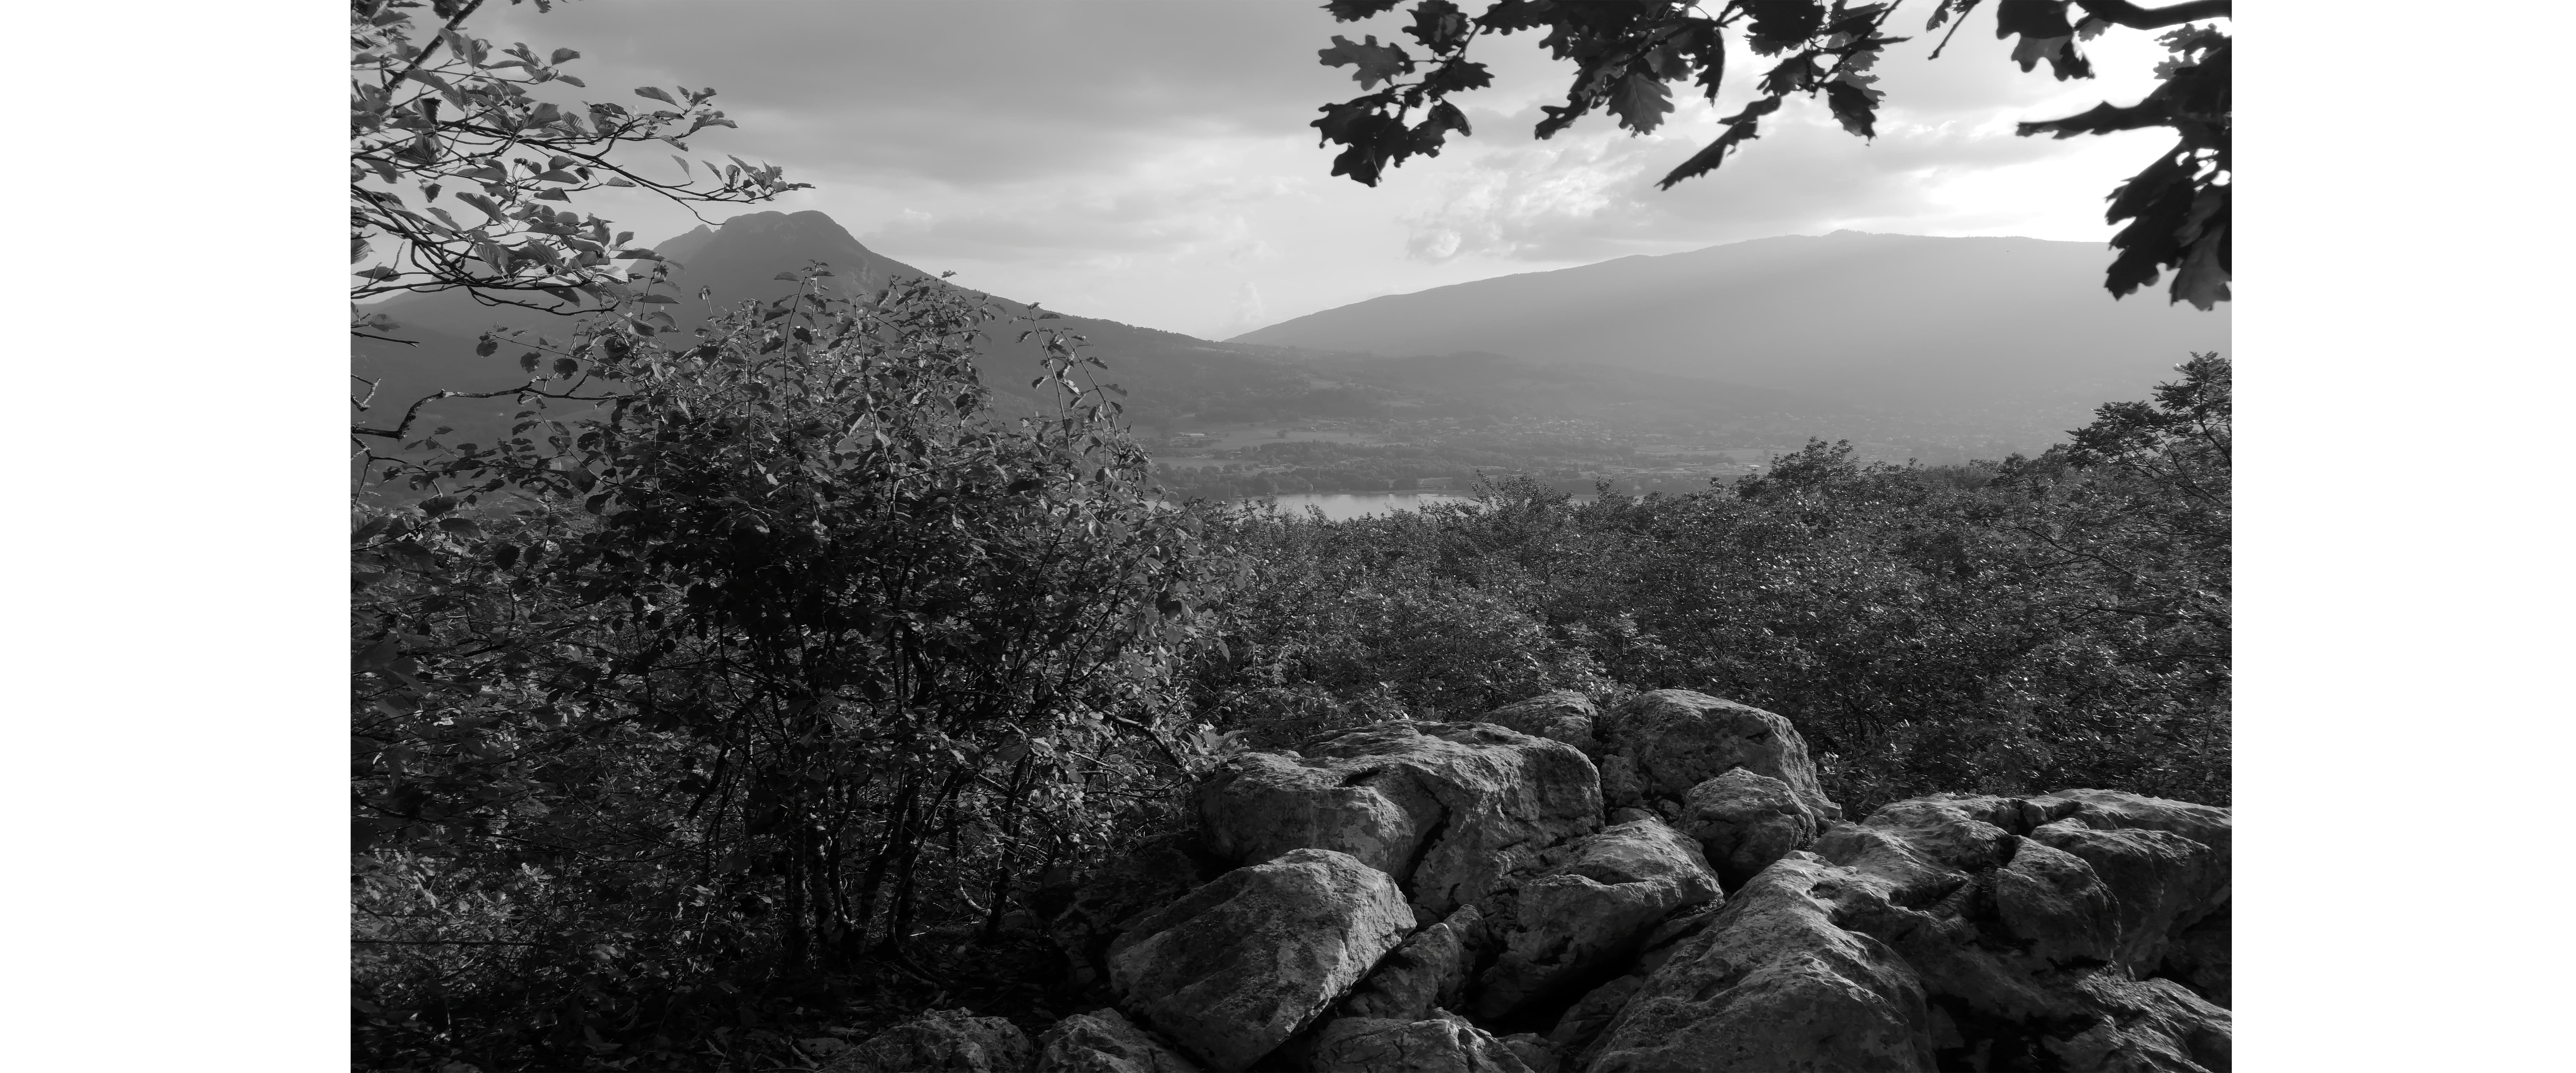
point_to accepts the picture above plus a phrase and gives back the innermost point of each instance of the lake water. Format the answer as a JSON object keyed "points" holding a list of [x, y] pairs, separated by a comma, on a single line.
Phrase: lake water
{"points": [[1341, 506]]}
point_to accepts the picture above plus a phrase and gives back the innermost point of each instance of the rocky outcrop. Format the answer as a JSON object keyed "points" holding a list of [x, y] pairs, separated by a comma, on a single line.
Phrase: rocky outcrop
{"points": [[1428, 972], [1236, 967], [1584, 917], [1389, 876], [1104, 1042], [1562, 715], [1448, 809], [949, 1041], [1972, 930], [1744, 820], [1442, 1043], [1663, 743]]}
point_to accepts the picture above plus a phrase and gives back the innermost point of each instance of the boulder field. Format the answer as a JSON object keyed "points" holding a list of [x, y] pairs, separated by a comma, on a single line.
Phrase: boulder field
{"points": [[1661, 888]]}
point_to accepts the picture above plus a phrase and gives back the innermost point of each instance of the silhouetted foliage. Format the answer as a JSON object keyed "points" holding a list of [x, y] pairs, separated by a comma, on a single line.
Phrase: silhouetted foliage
{"points": [[437, 110], [1625, 52], [434, 110]]}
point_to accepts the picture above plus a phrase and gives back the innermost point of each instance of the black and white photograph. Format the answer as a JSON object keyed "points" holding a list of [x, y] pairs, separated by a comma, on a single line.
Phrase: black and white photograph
{"points": [[1276, 536]]}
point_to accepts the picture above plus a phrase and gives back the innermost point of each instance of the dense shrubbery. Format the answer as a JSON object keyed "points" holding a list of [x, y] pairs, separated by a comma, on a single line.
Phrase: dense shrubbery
{"points": [[762, 662], [786, 672], [1999, 627]]}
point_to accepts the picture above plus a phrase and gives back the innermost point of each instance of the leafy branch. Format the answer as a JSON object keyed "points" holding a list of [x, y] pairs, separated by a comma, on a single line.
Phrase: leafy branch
{"points": [[2176, 210]]}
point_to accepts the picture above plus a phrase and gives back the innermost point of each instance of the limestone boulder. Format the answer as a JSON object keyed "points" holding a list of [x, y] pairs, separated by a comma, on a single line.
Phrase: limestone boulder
{"points": [[1236, 967], [1442, 1043], [1448, 809], [1589, 912], [1774, 984], [1561, 715], [1744, 820], [1105, 1042], [947, 1041], [2052, 901], [1428, 972], [1671, 740]]}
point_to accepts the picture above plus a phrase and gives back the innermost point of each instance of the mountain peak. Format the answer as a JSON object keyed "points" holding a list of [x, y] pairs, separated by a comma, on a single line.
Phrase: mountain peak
{"points": [[772, 222]]}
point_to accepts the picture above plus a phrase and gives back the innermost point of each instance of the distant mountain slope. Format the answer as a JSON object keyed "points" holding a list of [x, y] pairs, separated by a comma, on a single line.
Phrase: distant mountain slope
{"points": [[1164, 371], [1901, 322], [1752, 363]]}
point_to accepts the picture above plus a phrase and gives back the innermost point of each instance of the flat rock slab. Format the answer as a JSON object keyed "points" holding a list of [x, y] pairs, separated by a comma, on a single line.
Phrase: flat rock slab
{"points": [[1448, 809], [1236, 967]]}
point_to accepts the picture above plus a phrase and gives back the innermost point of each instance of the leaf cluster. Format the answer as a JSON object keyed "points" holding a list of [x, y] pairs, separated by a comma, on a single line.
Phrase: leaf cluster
{"points": [[1627, 52], [435, 112]]}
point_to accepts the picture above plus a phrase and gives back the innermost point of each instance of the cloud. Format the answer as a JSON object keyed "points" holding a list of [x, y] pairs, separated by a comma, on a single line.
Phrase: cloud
{"points": [[963, 94], [1944, 133], [1152, 163]]}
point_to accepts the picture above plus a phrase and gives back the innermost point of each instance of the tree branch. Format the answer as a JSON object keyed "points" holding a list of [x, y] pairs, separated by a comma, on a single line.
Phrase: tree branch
{"points": [[2124, 13], [529, 388], [432, 46]]}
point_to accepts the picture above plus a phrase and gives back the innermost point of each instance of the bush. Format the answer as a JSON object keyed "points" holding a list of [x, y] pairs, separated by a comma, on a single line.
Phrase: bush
{"points": [[776, 656]]}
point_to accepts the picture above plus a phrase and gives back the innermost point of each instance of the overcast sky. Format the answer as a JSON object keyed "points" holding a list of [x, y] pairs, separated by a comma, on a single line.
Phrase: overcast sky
{"points": [[1149, 161]]}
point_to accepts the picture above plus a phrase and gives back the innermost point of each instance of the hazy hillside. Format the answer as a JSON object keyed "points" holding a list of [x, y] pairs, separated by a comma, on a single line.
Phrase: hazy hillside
{"points": [[1932, 348], [1967, 327], [1168, 373], [1173, 379]]}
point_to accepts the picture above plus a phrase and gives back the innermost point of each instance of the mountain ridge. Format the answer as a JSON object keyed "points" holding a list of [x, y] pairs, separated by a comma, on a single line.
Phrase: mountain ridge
{"points": [[1909, 322], [1176, 381]]}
